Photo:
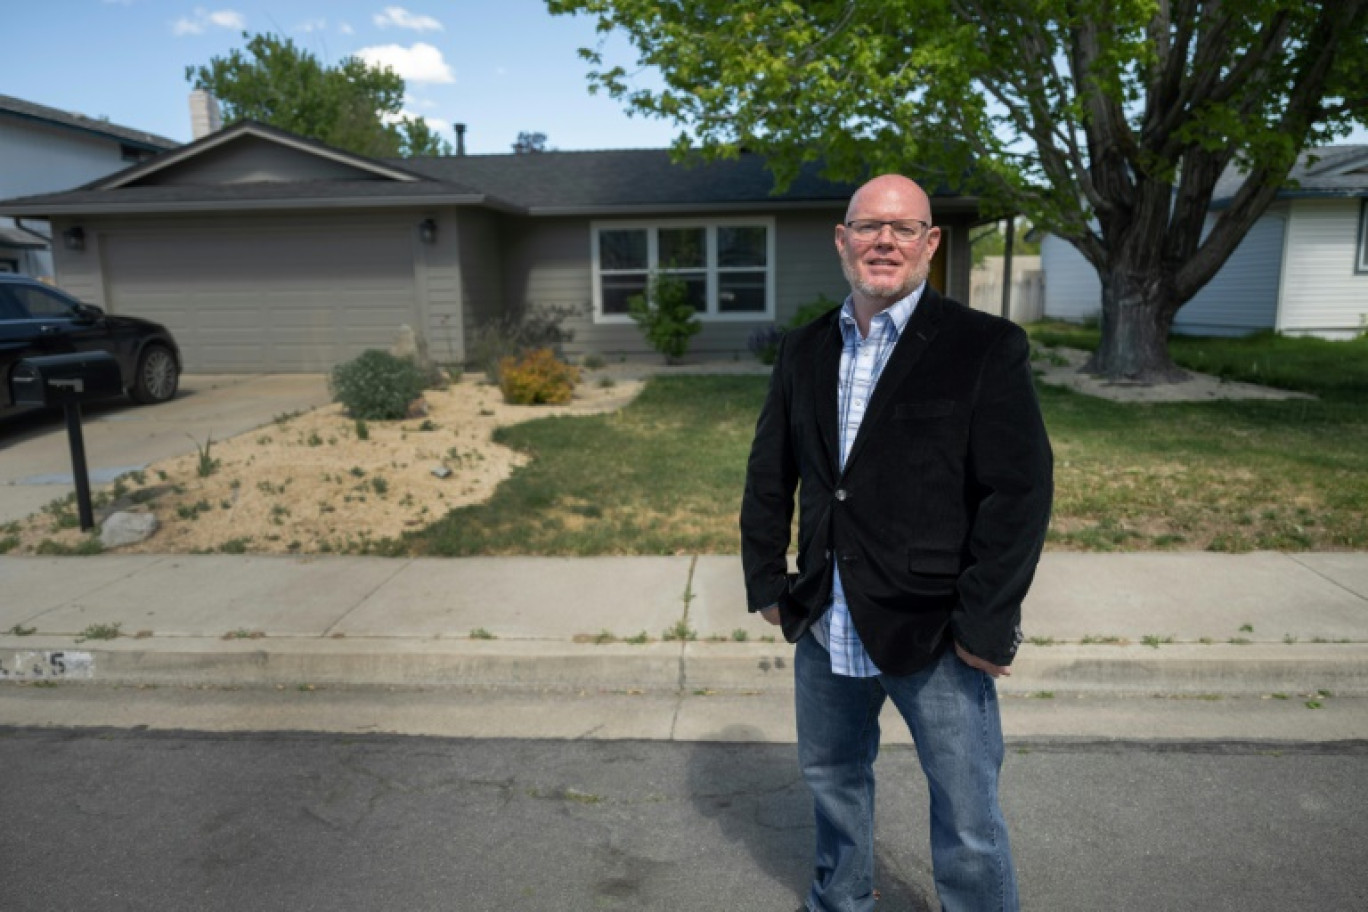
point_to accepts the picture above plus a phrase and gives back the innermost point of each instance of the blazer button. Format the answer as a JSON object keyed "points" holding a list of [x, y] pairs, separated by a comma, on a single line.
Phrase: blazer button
{"points": [[841, 494]]}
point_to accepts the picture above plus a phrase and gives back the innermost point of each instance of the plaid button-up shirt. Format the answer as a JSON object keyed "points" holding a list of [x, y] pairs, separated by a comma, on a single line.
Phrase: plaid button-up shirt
{"points": [[862, 361]]}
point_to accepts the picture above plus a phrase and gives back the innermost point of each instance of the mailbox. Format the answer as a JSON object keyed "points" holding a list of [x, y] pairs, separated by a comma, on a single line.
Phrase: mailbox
{"points": [[62, 379]]}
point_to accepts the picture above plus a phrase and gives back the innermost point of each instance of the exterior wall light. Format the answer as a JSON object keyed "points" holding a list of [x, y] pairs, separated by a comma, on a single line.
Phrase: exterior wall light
{"points": [[427, 231], [74, 237]]}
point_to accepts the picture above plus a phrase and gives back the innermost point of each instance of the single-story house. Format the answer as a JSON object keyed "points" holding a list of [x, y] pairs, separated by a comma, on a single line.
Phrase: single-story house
{"points": [[266, 251], [1302, 269], [45, 149]]}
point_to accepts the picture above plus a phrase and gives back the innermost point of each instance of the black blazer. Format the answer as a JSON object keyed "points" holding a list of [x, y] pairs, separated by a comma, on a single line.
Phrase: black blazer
{"points": [[940, 515]]}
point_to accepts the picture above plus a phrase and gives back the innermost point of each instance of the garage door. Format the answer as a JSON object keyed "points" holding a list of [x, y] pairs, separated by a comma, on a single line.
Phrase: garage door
{"points": [[280, 300]]}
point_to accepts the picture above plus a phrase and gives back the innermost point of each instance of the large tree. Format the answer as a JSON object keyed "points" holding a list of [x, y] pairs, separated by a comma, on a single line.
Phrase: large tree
{"points": [[353, 106], [1107, 122]]}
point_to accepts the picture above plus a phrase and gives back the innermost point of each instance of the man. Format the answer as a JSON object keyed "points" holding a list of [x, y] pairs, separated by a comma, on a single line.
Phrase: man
{"points": [[909, 426]]}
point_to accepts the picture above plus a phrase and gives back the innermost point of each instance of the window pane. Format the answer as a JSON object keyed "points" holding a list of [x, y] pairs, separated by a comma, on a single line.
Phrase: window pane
{"points": [[622, 249], [698, 290], [618, 288], [43, 305], [683, 248], [741, 292], [741, 245]]}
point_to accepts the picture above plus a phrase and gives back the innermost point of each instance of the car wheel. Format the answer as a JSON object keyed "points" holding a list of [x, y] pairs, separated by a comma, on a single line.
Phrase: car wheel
{"points": [[157, 377]]}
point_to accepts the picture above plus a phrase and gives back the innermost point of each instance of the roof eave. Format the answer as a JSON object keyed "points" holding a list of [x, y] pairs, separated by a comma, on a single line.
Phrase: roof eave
{"points": [[748, 206], [261, 131], [151, 208], [136, 143]]}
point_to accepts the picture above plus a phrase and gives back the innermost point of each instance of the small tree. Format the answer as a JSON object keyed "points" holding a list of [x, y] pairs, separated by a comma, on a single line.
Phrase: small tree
{"points": [[530, 142], [665, 316], [352, 105]]}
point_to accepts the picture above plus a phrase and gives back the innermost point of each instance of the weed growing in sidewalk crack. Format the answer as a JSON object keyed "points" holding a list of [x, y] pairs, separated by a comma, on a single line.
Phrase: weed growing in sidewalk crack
{"points": [[680, 631], [101, 632]]}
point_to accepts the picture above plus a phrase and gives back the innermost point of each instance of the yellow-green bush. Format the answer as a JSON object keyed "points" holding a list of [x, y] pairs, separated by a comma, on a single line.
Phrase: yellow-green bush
{"points": [[537, 377]]}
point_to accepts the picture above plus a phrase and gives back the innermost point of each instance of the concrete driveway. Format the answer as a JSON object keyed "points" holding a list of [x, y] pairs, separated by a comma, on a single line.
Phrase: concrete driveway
{"points": [[35, 457]]}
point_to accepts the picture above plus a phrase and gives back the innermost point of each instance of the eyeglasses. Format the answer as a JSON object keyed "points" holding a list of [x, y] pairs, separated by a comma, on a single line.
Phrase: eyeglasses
{"points": [[905, 231]]}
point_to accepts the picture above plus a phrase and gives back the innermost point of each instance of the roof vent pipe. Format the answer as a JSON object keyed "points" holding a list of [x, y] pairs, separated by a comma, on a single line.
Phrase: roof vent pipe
{"points": [[460, 139]]}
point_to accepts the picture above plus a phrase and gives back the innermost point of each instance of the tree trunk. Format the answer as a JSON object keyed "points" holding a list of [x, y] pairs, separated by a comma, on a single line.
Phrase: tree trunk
{"points": [[1137, 312]]}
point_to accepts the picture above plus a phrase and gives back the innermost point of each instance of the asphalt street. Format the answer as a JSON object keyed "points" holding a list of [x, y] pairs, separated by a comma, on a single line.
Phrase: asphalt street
{"points": [[124, 820]]}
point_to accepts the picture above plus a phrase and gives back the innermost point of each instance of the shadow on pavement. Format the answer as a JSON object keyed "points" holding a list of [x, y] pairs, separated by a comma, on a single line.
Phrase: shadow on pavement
{"points": [[765, 809]]}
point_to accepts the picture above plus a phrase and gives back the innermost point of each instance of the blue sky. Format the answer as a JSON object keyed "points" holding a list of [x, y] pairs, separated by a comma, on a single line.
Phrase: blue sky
{"points": [[499, 66]]}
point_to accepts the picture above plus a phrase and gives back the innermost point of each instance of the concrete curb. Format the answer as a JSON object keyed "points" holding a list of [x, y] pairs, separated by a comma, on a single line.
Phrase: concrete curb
{"points": [[653, 667]]}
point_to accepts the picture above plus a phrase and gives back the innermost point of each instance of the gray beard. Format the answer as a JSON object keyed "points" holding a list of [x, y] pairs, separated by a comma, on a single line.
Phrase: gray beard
{"points": [[880, 293]]}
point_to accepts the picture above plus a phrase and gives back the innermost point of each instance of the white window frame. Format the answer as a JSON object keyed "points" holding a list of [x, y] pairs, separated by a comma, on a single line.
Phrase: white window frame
{"points": [[652, 228]]}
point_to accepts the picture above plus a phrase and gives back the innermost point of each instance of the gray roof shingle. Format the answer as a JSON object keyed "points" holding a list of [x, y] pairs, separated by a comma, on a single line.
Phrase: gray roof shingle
{"points": [[1318, 172], [17, 107], [548, 182]]}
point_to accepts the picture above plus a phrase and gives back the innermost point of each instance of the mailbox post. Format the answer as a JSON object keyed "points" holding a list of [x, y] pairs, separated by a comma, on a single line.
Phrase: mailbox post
{"points": [[68, 380]]}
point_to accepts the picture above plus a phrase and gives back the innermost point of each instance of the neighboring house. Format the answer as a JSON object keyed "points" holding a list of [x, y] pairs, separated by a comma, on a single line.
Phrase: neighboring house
{"points": [[43, 149], [1302, 269], [265, 251]]}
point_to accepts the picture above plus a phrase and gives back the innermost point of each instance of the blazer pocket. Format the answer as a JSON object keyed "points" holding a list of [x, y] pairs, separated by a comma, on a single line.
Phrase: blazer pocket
{"points": [[932, 573], [930, 408]]}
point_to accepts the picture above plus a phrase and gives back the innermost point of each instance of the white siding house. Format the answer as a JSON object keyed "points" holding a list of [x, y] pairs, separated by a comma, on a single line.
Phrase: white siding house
{"points": [[1302, 269], [44, 149]]}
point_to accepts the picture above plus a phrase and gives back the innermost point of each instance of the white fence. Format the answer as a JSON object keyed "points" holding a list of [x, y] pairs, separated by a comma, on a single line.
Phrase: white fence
{"points": [[1028, 287]]}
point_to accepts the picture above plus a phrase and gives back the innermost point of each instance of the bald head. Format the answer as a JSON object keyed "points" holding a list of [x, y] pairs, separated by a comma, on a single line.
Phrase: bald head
{"points": [[881, 268], [890, 196]]}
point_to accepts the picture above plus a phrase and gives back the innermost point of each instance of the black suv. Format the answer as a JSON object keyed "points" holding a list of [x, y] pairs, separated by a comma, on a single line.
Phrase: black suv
{"points": [[37, 319]]}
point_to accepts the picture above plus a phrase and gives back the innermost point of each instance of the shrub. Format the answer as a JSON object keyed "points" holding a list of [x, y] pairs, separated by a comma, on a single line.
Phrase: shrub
{"points": [[536, 378], [516, 334], [809, 312], [377, 386], [763, 342], [665, 316]]}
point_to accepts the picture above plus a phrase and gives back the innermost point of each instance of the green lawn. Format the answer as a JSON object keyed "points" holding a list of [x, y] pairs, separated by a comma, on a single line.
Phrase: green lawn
{"points": [[664, 476]]}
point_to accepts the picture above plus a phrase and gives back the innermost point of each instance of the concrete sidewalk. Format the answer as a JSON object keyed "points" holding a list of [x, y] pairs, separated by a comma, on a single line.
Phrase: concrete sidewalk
{"points": [[1113, 624]]}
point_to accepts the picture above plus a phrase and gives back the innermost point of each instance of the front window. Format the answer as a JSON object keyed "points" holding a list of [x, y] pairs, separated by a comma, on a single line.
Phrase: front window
{"points": [[727, 266]]}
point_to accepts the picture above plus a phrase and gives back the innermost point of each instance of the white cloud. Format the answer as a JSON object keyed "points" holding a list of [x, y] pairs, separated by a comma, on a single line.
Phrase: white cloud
{"points": [[399, 17], [435, 124], [346, 29], [203, 20], [228, 19], [312, 25], [420, 63], [413, 101]]}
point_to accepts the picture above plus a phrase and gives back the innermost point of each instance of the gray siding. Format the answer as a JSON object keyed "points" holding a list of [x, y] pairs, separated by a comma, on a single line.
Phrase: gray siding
{"points": [[1072, 290], [441, 287], [1243, 296], [807, 262], [251, 159], [482, 252]]}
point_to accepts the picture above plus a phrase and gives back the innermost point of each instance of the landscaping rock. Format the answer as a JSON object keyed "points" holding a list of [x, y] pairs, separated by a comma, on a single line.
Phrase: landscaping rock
{"points": [[127, 529]]}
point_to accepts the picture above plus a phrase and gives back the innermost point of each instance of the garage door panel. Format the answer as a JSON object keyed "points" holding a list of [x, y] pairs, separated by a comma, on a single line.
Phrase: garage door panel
{"points": [[239, 300]]}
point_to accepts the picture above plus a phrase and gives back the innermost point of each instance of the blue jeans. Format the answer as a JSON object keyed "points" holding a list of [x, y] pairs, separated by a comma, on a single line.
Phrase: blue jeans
{"points": [[952, 712]]}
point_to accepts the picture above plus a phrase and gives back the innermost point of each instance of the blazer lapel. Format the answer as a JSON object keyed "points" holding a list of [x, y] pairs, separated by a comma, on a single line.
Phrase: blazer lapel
{"points": [[827, 399], [916, 336]]}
